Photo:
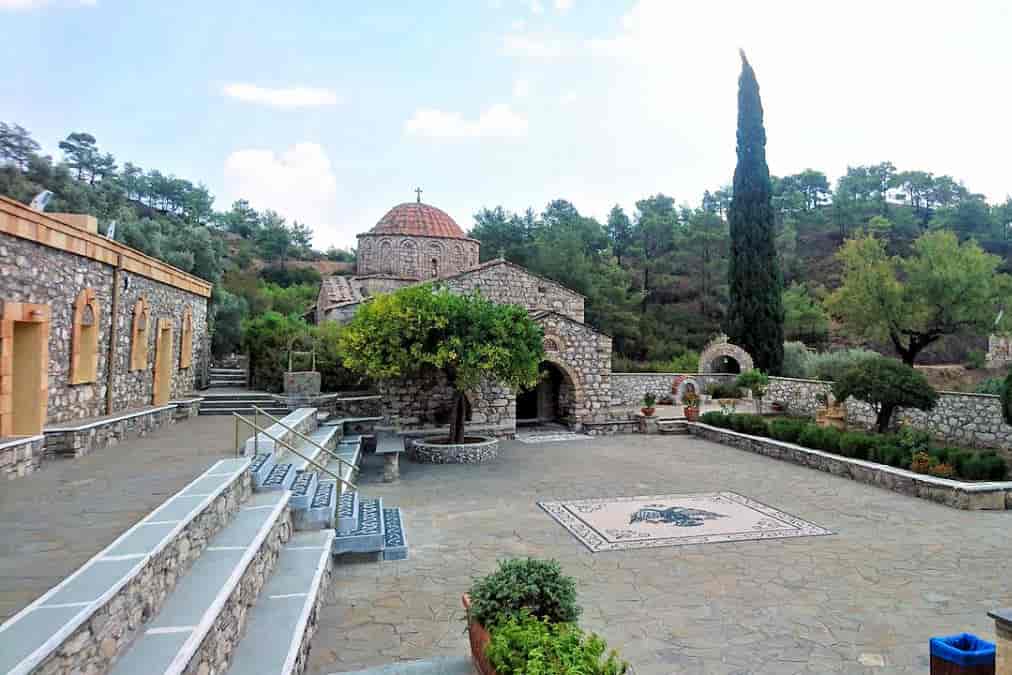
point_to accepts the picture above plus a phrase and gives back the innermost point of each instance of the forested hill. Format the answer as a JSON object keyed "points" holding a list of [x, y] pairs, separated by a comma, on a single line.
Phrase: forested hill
{"points": [[655, 278]]}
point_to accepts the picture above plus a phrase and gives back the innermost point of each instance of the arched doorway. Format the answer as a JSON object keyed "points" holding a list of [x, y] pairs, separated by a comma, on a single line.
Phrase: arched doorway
{"points": [[720, 356], [551, 400]]}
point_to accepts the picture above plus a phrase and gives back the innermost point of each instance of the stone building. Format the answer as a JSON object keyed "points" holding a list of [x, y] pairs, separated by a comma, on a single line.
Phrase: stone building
{"points": [[88, 327], [415, 242]]}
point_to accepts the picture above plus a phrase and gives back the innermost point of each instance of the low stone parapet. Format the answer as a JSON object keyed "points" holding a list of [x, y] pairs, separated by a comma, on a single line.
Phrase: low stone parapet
{"points": [[76, 439], [1003, 643], [957, 494], [484, 450], [21, 456], [187, 408]]}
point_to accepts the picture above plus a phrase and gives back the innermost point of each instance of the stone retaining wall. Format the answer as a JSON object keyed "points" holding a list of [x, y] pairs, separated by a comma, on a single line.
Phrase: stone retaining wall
{"points": [[95, 644], [957, 494], [426, 402], [21, 457], [628, 389], [302, 659], [216, 648], [448, 453], [78, 443]]}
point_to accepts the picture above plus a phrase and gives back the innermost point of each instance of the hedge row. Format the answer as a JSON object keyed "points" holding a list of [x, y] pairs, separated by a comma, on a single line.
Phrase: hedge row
{"points": [[908, 449]]}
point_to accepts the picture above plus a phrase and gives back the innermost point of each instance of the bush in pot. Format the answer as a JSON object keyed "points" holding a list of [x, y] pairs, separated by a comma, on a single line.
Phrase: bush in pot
{"points": [[537, 586], [526, 645]]}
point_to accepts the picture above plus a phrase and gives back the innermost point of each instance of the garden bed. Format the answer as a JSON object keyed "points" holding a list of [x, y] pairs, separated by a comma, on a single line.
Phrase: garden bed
{"points": [[985, 495]]}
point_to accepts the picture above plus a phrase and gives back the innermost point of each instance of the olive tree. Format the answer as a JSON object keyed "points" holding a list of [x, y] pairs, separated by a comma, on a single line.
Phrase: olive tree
{"points": [[885, 384], [467, 337]]}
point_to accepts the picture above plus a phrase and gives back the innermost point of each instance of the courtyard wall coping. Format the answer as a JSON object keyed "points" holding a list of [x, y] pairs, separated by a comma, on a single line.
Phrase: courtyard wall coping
{"points": [[224, 473], [185, 401], [108, 419], [1002, 615], [977, 486], [20, 440]]}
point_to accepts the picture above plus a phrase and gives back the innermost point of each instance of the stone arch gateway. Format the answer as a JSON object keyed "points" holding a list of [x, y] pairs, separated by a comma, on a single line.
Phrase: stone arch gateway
{"points": [[716, 355]]}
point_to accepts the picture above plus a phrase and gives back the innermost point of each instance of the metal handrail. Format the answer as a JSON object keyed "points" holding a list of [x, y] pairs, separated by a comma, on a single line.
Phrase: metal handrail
{"points": [[304, 437], [288, 445]]}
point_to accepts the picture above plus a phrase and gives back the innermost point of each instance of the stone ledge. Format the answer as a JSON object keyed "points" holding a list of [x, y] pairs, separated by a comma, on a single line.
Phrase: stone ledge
{"points": [[485, 450], [77, 440], [21, 456], [954, 493], [105, 419], [92, 637]]}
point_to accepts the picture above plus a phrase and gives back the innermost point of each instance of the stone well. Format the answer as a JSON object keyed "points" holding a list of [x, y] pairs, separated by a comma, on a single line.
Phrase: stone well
{"points": [[424, 451]]}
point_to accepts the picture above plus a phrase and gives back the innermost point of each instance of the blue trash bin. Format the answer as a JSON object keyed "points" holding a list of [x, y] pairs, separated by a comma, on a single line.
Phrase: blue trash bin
{"points": [[963, 653]]}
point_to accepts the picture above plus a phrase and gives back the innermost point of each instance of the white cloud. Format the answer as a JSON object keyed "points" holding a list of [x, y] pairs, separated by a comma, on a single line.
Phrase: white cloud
{"points": [[282, 97], [568, 97], [497, 121], [517, 24], [16, 5], [532, 46], [563, 5], [537, 7], [521, 88], [298, 183]]}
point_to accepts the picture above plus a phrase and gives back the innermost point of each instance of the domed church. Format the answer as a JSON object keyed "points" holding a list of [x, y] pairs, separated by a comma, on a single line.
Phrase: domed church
{"points": [[415, 243]]}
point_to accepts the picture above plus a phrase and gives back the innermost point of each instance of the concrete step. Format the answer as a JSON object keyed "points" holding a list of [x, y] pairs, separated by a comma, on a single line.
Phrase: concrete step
{"points": [[347, 512], [672, 426], [369, 534], [278, 630], [227, 371], [280, 477], [171, 642], [321, 510], [395, 540], [303, 489], [301, 419], [244, 411]]}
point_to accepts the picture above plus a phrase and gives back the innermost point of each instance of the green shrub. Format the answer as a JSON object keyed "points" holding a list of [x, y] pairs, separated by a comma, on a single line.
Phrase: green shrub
{"points": [[538, 586], [716, 419], [992, 385], [787, 430], [524, 645], [830, 366], [914, 440], [976, 360], [753, 425], [723, 391], [797, 361], [1006, 399], [857, 445]]}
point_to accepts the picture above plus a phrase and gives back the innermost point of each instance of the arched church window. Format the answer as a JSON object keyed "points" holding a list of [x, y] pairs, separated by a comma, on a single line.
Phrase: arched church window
{"points": [[459, 262], [409, 259], [387, 263], [84, 338], [186, 339], [139, 335], [435, 253]]}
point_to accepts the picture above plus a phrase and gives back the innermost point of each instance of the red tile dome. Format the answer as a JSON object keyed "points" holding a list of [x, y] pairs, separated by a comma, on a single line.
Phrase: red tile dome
{"points": [[414, 218]]}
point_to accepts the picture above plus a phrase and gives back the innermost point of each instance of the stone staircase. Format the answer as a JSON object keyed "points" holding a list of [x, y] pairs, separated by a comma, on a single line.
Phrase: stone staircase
{"points": [[228, 575], [242, 402], [227, 377], [673, 425]]}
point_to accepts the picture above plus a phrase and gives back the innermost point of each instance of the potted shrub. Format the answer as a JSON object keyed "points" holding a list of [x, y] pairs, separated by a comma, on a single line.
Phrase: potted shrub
{"points": [[526, 644], [518, 586], [648, 404], [756, 382], [691, 406]]}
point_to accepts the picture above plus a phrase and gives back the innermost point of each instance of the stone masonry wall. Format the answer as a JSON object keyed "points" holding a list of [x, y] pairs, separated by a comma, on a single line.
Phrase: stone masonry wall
{"points": [[411, 257], [20, 458], [426, 402], [31, 272], [584, 356], [628, 389], [508, 284]]}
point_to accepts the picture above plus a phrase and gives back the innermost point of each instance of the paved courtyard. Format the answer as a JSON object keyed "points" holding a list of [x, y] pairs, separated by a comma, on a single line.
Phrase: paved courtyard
{"points": [[53, 521], [865, 599]]}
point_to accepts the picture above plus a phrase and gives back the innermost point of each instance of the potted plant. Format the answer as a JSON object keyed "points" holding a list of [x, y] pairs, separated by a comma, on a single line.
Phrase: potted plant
{"points": [[691, 406], [756, 382], [648, 404], [535, 587]]}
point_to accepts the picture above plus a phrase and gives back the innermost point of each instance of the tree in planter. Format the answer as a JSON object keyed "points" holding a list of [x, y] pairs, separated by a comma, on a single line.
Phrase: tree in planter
{"points": [[468, 338], [756, 381], [885, 384]]}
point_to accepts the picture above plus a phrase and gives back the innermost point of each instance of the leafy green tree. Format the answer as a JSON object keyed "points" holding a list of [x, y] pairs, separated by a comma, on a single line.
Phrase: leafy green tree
{"points": [[620, 232], [805, 319], [226, 322], [656, 222], [885, 384], [266, 338], [467, 337], [273, 239], [943, 288], [505, 235], [755, 316], [81, 151]]}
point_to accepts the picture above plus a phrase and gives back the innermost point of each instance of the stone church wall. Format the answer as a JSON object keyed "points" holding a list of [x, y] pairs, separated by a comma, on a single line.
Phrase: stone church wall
{"points": [[426, 402], [414, 257], [32, 272], [584, 356], [509, 284]]}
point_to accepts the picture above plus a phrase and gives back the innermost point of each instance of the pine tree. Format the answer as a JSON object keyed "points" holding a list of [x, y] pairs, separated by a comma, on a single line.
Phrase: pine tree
{"points": [[755, 316]]}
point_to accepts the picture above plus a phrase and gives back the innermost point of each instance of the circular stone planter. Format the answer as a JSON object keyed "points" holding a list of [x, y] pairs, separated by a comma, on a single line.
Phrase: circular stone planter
{"points": [[475, 450]]}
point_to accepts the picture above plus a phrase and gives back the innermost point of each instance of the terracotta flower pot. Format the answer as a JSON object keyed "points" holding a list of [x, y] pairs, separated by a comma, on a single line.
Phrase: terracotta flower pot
{"points": [[691, 414], [649, 412], [480, 638]]}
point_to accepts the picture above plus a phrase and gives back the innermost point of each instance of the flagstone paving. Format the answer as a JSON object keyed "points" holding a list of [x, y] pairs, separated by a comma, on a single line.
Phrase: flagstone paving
{"points": [[863, 600], [54, 520]]}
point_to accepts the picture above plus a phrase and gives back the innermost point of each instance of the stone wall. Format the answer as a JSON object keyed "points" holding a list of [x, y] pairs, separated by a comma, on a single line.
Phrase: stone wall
{"points": [[426, 402], [800, 397], [21, 457], [32, 272], [411, 257], [72, 442], [584, 357], [999, 351], [508, 284], [628, 389]]}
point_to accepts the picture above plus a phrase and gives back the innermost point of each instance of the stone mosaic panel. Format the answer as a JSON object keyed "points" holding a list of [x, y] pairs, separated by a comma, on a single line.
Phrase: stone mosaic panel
{"points": [[622, 523]]}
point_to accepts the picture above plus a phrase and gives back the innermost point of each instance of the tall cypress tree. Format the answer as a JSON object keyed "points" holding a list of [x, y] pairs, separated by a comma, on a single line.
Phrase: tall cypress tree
{"points": [[755, 316]]}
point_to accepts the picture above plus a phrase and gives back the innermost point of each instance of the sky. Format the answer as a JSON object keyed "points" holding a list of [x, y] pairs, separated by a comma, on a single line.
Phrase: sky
{"points": [[332, 113]]}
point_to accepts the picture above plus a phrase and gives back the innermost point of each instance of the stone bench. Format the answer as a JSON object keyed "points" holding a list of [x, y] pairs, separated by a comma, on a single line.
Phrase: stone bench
{"points": [[390, 444], [80, 437]]}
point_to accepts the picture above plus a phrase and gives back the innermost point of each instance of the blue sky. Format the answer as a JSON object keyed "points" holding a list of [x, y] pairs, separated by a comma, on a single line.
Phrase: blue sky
{"points": [[331, 113]]}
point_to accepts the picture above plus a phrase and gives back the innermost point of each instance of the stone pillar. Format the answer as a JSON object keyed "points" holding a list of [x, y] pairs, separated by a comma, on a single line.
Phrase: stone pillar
{"points": [[391, 467], [647, 425], [1003, 640]]}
